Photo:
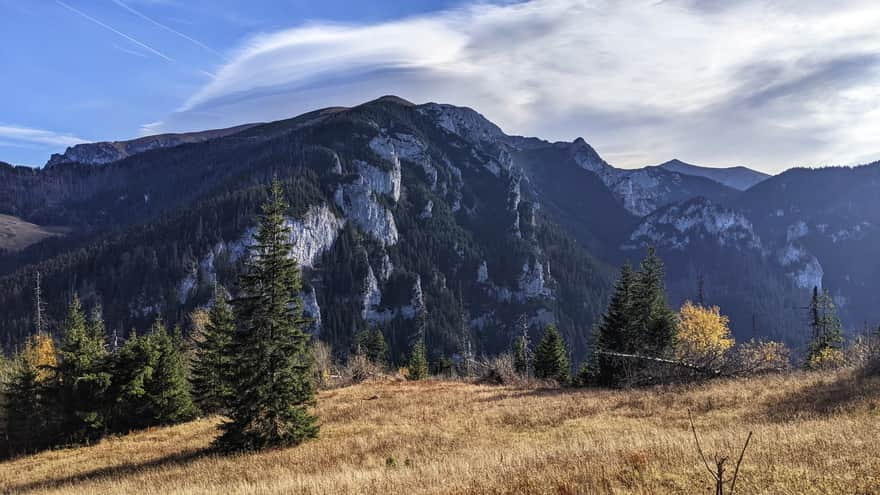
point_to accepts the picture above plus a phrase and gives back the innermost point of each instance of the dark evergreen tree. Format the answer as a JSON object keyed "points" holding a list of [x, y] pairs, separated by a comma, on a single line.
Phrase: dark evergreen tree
{"points": [[211, 372], [827, 331], [83, 375], [612, 333], [371, 343], [28, 421], [586, 375], [551, 357], [815, 319], [167, 392], [417, 367], [653, 323], [150, 386], [133, 368], [273, 380]]}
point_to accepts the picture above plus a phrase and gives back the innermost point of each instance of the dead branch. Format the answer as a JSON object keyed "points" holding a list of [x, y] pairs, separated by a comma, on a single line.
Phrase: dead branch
{"points": [[673, 362]]}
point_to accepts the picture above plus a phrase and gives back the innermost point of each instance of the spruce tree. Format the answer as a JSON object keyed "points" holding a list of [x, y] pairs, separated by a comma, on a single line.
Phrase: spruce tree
{"points": [[167, 392], [273, 380], [827, 331], [83, 375], [815, 320], [150, 386], [371, 343], [551, 357], [28, 426], [417, 367], [653, 325], [612, 333], [211, 375], [133, 368]]}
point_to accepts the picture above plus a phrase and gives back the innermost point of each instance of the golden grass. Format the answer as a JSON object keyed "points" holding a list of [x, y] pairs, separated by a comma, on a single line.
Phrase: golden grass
{"points": [[813, 433]]}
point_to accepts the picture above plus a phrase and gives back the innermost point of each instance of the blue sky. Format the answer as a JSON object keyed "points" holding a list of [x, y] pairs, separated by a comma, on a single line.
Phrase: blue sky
{"points": [[75, 79], [765, 83]]}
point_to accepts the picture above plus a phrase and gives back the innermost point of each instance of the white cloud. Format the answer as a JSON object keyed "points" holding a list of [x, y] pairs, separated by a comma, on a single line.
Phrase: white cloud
{"points": [[766, 83], [23, 135]]}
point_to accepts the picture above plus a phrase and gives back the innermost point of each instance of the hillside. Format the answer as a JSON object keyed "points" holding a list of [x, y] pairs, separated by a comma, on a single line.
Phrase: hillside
{"points": [[812, 434], [17, 234]]}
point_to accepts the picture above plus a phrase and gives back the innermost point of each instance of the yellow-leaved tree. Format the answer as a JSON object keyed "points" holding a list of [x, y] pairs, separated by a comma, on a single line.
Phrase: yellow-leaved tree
{"points": [[703, 334], [39, 352]]}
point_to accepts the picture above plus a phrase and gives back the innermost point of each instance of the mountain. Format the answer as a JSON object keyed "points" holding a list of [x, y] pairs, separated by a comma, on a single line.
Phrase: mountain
{"points": [[825, 226], [430, 220], [739, 178], [393, 213], [111, 151], [642, 191]]}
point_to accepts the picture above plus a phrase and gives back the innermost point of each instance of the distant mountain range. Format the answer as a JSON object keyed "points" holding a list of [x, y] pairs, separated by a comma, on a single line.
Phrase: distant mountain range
{"points": [[739, 178], [401, 210], [111, 151]]}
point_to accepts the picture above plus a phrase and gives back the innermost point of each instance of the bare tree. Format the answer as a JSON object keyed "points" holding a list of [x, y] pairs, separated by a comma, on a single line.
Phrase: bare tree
{"points": [[39, 305]]}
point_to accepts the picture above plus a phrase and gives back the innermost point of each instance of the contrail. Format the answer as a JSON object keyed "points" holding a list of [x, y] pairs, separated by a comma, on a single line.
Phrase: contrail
{"points": [[167, 28], [120, 33]]}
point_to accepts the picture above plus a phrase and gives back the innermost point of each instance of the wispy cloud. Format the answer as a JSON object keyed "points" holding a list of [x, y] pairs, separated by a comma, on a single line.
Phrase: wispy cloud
{"points": [[769, 83], [116, 31], [22, 135], [167, 28]]}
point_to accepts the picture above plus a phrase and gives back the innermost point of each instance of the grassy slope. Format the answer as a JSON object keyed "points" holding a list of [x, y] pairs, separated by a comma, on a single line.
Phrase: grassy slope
{"points": [[17, 234], [813, 434]]}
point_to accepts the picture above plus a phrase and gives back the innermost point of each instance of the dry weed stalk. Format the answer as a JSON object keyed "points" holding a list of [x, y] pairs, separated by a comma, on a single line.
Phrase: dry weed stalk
{"points": [[718, 473]]}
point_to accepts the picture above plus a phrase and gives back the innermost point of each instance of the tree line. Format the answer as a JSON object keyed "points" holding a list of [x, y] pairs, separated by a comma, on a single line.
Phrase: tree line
{"points": [[641, 340]]}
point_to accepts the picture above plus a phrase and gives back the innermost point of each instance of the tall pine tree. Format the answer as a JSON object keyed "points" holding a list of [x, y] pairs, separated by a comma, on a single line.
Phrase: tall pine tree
{"points": [[612, 334], [168, 392], [827, 332], [551, 357], [83, 375], [417, 367], [150, 386], [653, 324], [272, 377], [213, 361]]}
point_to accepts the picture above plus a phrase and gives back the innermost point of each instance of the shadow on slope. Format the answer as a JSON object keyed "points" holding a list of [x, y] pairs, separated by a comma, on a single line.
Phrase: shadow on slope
{"points": [[114, 472], [846, 391]]}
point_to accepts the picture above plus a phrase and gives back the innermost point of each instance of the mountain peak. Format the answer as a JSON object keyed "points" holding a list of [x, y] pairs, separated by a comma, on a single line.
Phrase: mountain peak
{"points": [[739, 177], [393, 99]]}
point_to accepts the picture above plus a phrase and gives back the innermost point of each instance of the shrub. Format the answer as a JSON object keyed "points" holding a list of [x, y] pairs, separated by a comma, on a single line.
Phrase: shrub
{"points": [[760, 356], [827, 358]]}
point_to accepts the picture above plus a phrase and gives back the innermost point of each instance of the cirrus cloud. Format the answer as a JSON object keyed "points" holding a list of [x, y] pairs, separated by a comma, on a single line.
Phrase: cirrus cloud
{"points": [[770, 84]]}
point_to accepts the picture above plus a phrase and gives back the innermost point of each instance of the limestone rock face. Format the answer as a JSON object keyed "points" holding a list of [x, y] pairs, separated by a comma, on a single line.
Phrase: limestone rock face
{"points": [[357, 201], [314, 234]]}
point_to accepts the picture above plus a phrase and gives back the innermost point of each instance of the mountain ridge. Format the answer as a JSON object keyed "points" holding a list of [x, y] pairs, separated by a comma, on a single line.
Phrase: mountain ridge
{"points": [[397, 207], [738, 177]]}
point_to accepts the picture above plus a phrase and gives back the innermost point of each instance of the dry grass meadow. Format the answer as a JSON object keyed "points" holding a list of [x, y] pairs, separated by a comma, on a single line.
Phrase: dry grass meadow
{"points": [[17, 234], [813, 433]]}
